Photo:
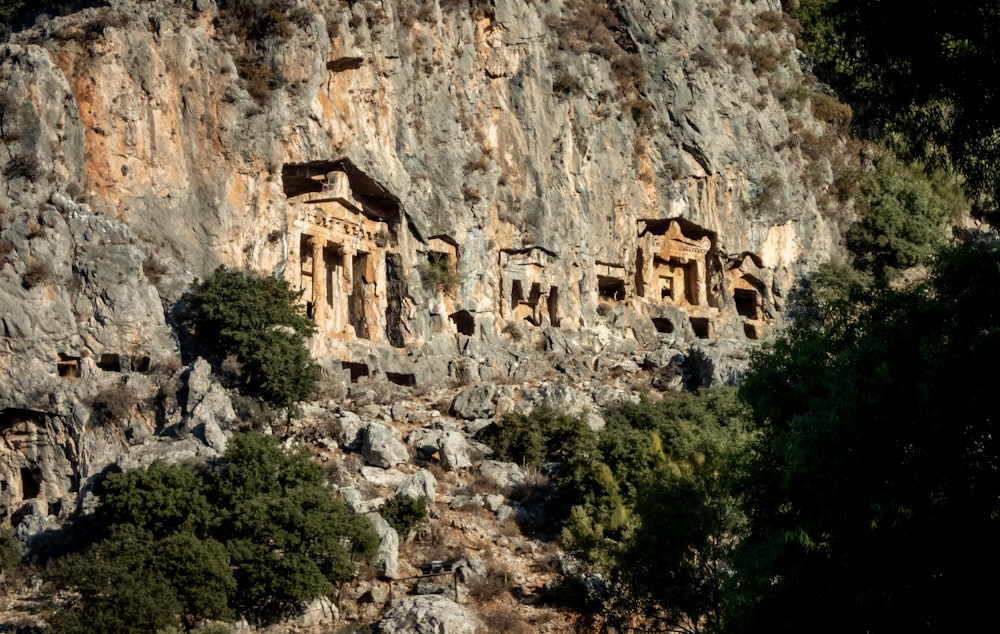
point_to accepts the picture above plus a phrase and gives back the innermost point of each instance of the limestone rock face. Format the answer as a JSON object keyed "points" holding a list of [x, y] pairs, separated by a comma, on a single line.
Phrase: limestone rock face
{"points": [[470, 192], [563, 173], [428, 614]]}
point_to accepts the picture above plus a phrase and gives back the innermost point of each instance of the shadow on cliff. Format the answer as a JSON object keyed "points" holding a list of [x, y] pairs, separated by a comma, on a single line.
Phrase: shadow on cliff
{"points": [[26, 16]]}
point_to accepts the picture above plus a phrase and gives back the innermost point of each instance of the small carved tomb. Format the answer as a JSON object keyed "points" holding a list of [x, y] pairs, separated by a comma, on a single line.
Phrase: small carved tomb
{"points": [[528, 292], [672, 263]]}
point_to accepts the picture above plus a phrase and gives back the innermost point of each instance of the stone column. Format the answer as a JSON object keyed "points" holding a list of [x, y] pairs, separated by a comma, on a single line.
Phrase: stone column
{"points": [[347, 253], [346, 282], [700, 283], [319, 281]]}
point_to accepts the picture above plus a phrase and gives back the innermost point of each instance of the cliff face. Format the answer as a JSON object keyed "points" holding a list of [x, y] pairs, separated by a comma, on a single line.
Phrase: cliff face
{"points": [[451, 184]]}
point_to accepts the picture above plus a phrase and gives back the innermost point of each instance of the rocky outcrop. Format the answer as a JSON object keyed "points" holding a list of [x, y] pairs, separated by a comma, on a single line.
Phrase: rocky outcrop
{"points": [[428, 614], [468, 194], [587, 158]]}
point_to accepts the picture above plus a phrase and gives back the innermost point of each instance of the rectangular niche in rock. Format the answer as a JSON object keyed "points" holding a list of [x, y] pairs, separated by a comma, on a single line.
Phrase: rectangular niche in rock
{"points": [[140, 364], [68, 367], [357, 371], [611, 282], [110, 362], [701, 327], [399, 378], [528, 286], [465, 322]]}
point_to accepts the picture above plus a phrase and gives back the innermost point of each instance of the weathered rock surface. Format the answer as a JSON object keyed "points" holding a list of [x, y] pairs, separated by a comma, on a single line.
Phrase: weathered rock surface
{"points": [[421, 484], [381, 448], [387, 558], [428, 614], [478, 194]]}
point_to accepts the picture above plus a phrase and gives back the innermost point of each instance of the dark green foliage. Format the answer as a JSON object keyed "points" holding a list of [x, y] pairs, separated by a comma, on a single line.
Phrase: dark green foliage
{"points": [[118, 590], [928, 89], [651, 501], [258, 536], [404, 513], [545, 435], [11, 550], [162, 499], [872, 497], [10, 8], [257, 320], [902, 224], [288, 538]]}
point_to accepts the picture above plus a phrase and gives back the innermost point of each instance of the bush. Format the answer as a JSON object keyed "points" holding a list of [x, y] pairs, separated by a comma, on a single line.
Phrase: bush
{"points": [[438, 273], [114, 404], [257, 320], [258, 535], [404, 513], [11, 550], [651, 501], [153, 269], [829, 110], [37, 273], [544, 435], [903, 221]]}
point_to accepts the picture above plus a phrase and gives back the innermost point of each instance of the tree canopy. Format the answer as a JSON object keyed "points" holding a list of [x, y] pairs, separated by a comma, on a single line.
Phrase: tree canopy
{"points": [[255, 536], [259, 321], [872, 496], [921, 75]]}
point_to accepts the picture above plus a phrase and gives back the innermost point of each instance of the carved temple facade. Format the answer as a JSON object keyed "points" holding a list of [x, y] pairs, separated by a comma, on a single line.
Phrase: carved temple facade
{"points": [[337, 258]]}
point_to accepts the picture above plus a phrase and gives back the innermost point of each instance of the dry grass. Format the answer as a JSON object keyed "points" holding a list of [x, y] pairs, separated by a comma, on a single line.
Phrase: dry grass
{"points": [[38, 273], [494, 583], [114, 404], [153, 269]]}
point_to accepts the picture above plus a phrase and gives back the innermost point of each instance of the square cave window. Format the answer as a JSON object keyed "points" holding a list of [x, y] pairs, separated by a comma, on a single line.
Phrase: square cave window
{"points": [[464, 322], [700, 325], [357, 370], [663, 325], [110, 362], [746, 302], [612, 288]]}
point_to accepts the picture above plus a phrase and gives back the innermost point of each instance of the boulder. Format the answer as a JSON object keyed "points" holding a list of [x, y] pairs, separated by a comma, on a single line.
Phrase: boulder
{"points": [[381, 448], [350, 431], [387, 557], [507, 475], [428, 614], [475, 402], [419, 485], [454, 451], [716, 363]]}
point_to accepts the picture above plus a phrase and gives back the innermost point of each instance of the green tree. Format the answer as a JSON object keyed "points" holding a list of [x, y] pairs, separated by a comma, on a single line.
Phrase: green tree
{"points": [[257, 320], [11, 550], [927, 89], [116, 589], [256, 536], [544, 435], [872, 495], [652, 503], [902, 224], [162, 499], [288, 538]]}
